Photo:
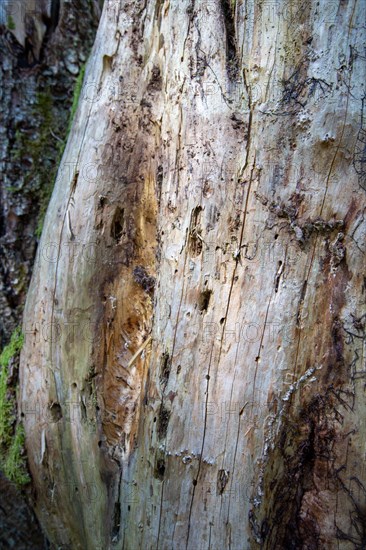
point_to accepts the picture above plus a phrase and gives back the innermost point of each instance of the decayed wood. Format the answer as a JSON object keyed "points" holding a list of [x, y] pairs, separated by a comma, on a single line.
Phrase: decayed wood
{"points": [[213, 184]]}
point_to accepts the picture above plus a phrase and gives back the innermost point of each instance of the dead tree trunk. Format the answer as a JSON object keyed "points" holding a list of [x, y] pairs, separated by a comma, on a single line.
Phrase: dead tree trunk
{"points": [[193, 373]]}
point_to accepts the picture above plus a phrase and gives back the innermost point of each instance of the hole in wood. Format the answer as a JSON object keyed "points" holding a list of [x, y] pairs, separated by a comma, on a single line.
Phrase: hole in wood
{"points": [[117, 224], [204, 300], [56, 412]]}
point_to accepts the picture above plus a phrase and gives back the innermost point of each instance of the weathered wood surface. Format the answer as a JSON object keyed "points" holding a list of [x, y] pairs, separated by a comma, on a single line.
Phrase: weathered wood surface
{"points": [[219, 151]]}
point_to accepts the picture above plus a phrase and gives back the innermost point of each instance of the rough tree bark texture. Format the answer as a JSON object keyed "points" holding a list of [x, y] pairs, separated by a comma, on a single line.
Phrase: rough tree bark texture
{"points": [[193, 373], [43, 45]]}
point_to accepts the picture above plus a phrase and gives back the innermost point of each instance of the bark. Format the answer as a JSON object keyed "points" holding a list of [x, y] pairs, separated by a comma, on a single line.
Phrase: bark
{"points": [[193, 372], [43, 48], [44, 44]]}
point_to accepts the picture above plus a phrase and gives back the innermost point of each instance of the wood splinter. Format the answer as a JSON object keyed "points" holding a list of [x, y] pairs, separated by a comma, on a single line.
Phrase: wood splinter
{"points": [[139, 351]]}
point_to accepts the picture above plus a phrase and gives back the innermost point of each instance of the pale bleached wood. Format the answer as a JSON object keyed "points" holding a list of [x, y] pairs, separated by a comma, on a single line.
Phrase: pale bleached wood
{"points": [[233, 184]]}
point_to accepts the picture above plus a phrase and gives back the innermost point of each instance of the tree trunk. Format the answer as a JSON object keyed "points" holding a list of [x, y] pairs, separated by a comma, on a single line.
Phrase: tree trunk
{"points": [[44, 45], [193, 372]]}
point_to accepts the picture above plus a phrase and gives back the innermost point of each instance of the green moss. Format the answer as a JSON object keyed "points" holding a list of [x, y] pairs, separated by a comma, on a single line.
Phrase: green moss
{"points": [[11, 23], [12, 460], [39, 228], [14, 465], [6, 410], [75, 100], [14, 346]]}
